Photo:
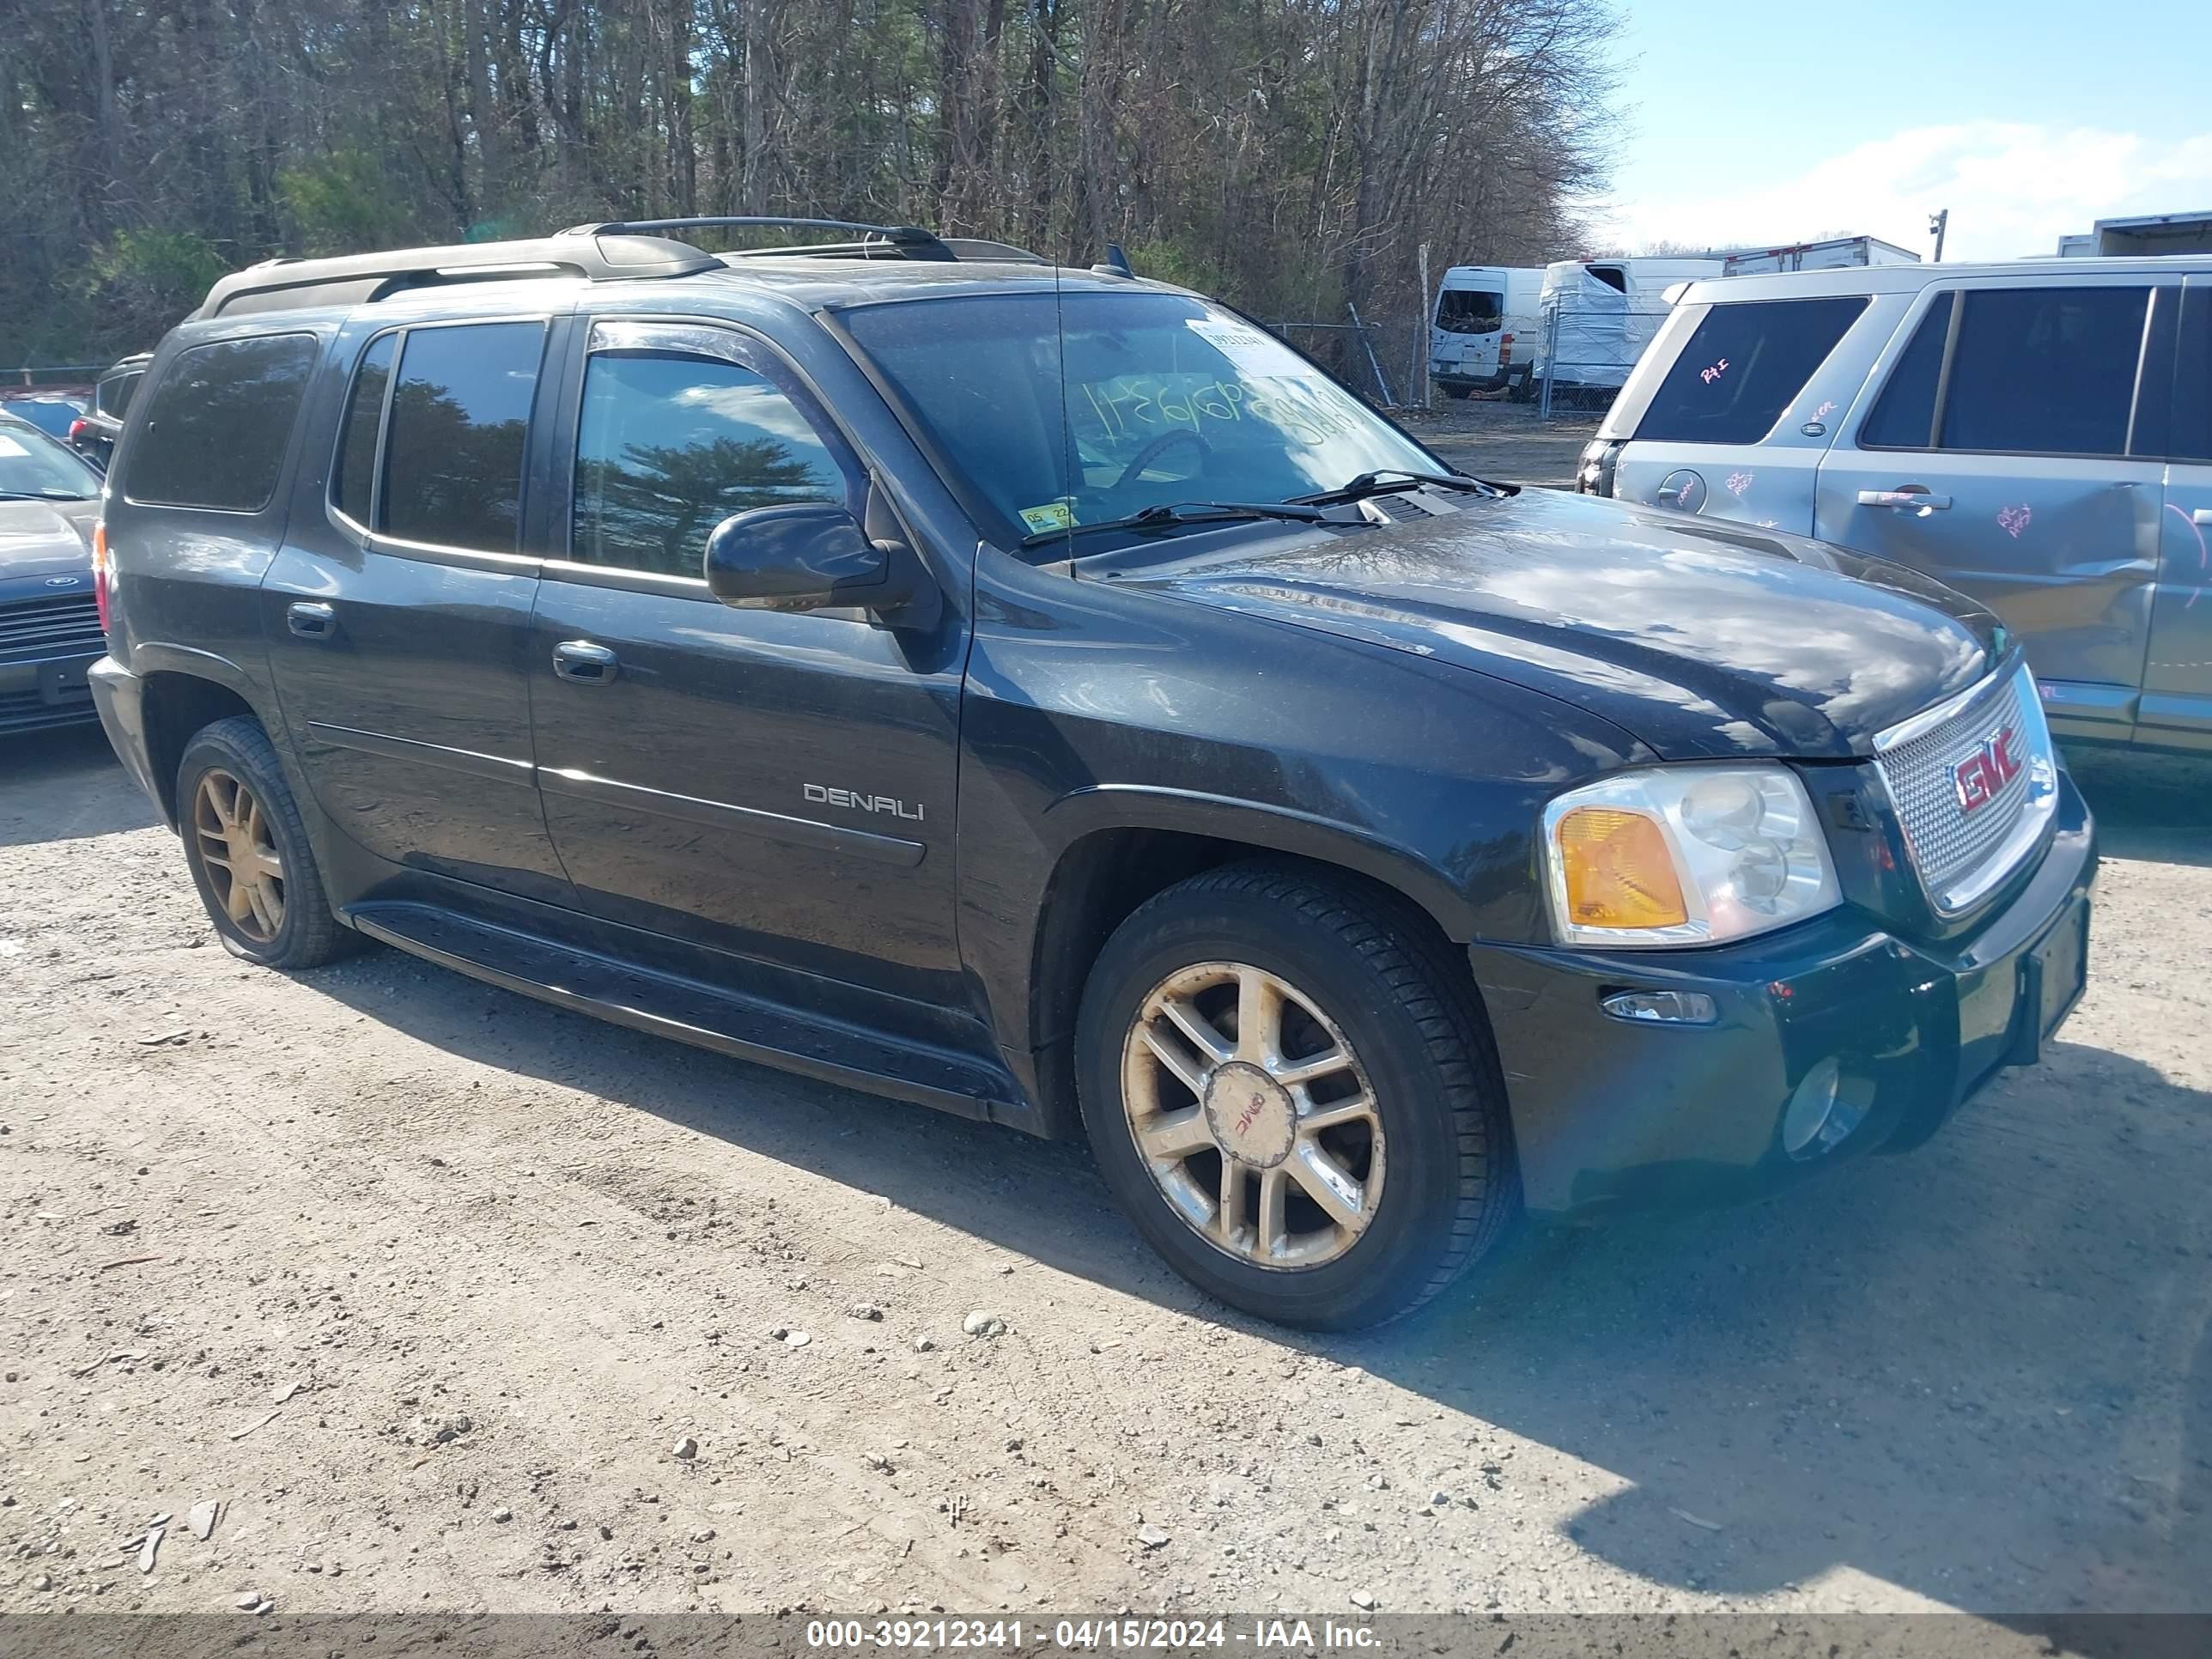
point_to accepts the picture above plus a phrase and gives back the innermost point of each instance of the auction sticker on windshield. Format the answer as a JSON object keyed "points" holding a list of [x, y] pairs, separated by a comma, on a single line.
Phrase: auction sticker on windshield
{"points": [[1256, 355]]}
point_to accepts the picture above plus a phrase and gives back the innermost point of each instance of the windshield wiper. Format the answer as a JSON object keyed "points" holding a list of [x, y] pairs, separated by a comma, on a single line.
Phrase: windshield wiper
{"points": [[1168, 516], [40, 495], [1390, 480]]}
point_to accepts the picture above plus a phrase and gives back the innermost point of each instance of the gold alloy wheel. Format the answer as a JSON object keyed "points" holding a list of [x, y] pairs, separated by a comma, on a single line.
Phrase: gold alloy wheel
{"points": [[243, 868], [1254, 1114]]}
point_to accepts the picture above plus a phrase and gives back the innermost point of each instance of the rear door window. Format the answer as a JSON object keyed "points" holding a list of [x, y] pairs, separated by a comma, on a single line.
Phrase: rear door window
{"points": [[217, 427], [2044, 370], [1470, 311], [460, 419], [1742, 365]]}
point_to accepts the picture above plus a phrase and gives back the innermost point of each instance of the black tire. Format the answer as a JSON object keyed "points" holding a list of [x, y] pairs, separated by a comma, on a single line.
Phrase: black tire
{"points": [[1373, 966], [308, 934], [1521, 389]]}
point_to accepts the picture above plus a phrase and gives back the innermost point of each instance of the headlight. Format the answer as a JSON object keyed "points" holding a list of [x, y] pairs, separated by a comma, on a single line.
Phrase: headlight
{"points": [[1680, 855]]}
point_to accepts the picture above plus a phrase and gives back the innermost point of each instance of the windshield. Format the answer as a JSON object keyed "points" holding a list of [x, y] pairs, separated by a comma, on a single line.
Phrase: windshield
{"points": [[32, 464], [1167, 400]]}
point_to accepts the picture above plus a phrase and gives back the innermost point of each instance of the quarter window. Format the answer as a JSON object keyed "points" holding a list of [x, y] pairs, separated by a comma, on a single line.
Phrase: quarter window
{"points": [[671, 444], [1905, 416], [217, 426], [1741, 366], [461, 415]]}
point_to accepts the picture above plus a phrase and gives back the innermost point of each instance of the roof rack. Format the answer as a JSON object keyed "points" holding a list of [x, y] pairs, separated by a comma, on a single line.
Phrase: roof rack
{"points": [[606, 252], [907, 241], [597, 253]]}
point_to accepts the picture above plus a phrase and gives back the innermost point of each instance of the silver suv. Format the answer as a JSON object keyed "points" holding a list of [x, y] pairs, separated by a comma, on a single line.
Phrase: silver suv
{"points": [[2037, 434]]}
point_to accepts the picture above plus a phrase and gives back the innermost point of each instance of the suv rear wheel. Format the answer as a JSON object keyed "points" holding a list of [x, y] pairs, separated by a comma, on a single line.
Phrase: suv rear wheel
{"points": [[247, 850], [1293, 1098]]}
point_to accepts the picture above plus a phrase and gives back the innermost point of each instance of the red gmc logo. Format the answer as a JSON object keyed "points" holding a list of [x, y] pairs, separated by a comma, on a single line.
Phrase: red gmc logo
{"points": [[1980, 776]]}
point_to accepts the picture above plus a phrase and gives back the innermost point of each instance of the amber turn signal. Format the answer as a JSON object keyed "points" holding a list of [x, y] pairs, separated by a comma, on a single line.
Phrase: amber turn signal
{"points": [[1618, 872]]}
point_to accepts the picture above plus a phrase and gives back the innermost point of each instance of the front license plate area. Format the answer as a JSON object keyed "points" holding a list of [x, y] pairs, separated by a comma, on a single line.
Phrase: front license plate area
{"points": [[2052, 976]]}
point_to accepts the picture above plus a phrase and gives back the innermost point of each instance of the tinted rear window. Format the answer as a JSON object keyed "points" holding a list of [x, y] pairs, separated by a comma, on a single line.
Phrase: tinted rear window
{"points": [[1739, 370], [2192, 381], [2045, 369], [216, 427], [111, 397], [452, 457]]}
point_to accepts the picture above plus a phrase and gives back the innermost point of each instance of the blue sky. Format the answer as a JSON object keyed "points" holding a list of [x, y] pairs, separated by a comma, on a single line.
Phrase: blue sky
{"points": [[1751, 123]]}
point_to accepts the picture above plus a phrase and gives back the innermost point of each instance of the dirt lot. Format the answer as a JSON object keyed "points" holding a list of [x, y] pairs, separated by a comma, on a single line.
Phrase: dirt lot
{"points": [[1495, 439], [432, 1290]]}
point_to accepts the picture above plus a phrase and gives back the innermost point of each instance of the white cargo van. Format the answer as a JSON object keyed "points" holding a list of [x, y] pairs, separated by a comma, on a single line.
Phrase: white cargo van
{"points": [[1599, 314], [1482, 330]]}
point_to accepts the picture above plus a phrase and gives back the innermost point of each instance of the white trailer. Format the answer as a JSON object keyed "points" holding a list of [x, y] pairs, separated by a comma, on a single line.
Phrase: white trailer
{"points": [[1598, 315], [2150, 233], [1834, 254]]}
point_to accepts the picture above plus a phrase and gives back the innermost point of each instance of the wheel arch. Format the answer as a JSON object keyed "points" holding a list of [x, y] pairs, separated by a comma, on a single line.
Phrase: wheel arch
{"points": [[1130, 842], [180, 698]]}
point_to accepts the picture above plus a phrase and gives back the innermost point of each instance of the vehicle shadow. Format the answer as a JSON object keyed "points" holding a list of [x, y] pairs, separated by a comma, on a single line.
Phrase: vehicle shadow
{"points": [[65, 784], [2157, 807], [1983, 1372]]}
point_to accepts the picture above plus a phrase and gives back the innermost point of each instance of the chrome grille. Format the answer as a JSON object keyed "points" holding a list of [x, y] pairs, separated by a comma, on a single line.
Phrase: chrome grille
{"points": [[1961, 852], [50, 627]]}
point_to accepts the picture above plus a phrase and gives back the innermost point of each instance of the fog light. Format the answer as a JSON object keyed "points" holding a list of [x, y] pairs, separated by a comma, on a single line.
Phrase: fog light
{"points": [[1825, 1109], [1662, 1007]]}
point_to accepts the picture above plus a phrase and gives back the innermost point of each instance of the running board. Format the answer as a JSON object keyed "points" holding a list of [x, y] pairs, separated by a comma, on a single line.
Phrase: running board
{"points": [[705, 1016]]}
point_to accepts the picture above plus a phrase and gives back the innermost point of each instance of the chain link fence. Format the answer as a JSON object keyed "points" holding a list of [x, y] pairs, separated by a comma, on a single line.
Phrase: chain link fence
{"points": [[1384, 360], [1586, 352]]}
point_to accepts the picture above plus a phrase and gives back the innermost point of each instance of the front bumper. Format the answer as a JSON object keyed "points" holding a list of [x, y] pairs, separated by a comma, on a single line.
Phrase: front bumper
{"points": [[1610, 1115], [45, 691]]}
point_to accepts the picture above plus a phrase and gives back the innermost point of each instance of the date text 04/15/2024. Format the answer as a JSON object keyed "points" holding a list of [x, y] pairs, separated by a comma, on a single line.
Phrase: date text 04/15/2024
{"points": [[1088, 1635]]}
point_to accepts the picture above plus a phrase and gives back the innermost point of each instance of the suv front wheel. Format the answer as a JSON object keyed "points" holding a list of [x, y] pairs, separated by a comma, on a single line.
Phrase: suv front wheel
{"points": [[1294, 1097], [247, 850]]}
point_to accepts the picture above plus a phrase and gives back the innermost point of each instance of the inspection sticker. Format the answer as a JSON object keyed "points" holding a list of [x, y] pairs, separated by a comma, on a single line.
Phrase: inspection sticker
{"points": [[1052, 515]]}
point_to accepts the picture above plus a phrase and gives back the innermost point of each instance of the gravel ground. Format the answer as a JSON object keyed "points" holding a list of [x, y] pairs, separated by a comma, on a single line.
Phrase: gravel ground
{"points": [[1494, 438], [449, 1300]]}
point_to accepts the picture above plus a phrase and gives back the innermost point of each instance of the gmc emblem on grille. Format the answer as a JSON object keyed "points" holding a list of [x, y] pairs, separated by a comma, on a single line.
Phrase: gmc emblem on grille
{"points": [[1982, 774]]}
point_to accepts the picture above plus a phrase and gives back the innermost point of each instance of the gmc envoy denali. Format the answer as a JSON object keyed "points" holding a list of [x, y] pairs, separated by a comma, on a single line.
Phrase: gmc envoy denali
{"points": [[1043, 695]]}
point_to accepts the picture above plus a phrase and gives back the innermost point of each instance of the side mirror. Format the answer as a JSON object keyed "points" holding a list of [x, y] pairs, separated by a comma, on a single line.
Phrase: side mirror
{"points": [[802, 556], [814, 556]]}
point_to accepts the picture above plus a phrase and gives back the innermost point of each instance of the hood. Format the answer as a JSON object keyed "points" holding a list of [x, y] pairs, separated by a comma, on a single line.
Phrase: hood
{"points": [[47, 539], [1704, 641]]}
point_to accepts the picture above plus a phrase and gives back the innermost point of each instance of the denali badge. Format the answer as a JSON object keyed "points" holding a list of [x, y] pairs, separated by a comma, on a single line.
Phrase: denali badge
{"points": [[1979, 777], [854, 799]]}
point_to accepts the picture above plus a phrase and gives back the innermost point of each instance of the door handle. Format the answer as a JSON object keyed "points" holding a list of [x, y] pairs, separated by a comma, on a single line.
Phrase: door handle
{"points": [[310, 621], [1910, 498], [2202, 515], [585, 664]]}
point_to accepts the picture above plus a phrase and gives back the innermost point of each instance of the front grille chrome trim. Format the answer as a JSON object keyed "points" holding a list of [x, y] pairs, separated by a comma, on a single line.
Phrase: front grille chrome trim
{"points": [[1960, 860]]}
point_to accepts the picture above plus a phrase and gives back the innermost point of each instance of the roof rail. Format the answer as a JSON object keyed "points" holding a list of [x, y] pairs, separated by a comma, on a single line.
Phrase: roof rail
{"points": [[911, 241], [598, 254]]}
